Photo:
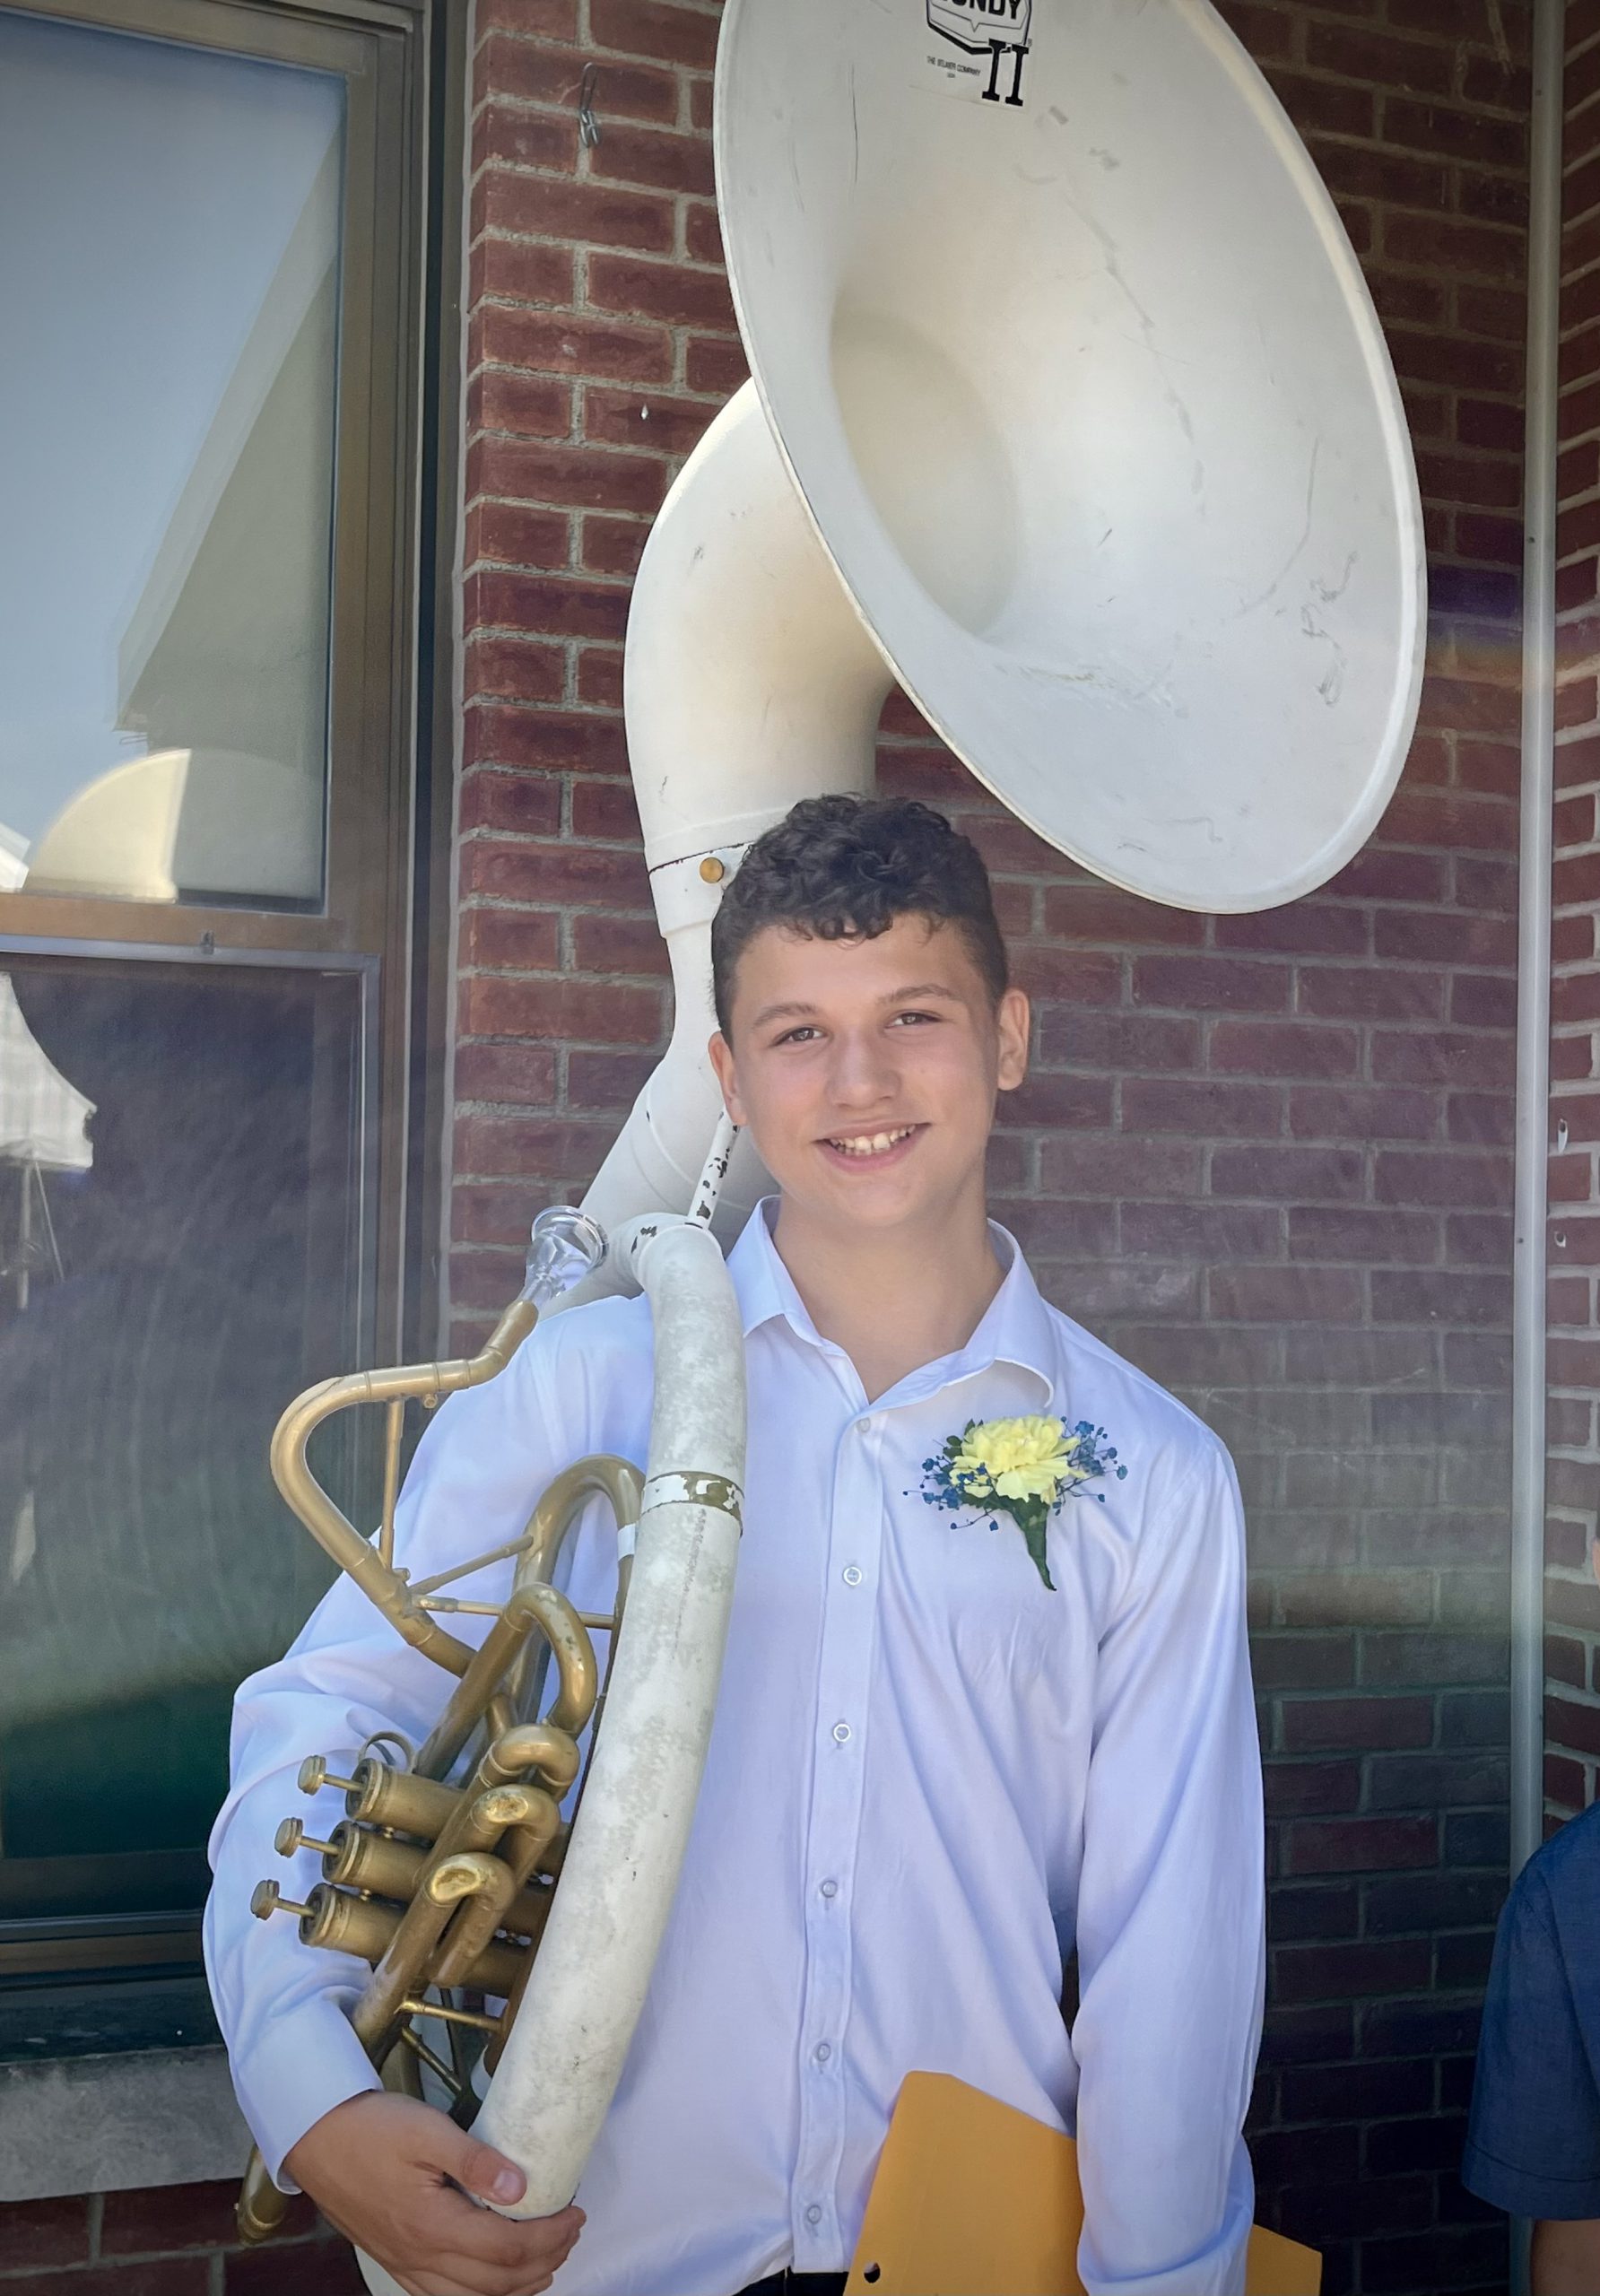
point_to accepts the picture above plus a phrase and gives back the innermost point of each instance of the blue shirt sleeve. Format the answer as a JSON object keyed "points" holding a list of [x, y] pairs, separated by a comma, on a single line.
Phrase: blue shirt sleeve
{"points": [[1533, 2143]]}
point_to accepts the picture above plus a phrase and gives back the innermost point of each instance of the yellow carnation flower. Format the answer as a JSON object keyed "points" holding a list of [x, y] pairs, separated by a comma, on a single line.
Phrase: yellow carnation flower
{"points": [[1017, 1458]]}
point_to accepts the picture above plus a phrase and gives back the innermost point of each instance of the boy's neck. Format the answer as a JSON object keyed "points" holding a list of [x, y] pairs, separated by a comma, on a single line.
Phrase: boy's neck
{"points": [[892, 1301]]}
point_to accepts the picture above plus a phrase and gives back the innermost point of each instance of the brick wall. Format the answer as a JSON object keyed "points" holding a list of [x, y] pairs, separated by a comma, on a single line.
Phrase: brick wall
{"points": [[1267, 1157], [176, 2241], [1572, 1603]]}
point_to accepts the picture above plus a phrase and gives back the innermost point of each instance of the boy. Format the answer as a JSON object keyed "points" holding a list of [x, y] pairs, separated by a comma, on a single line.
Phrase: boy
{"points": [[1533, 2144], [941, 1757]]}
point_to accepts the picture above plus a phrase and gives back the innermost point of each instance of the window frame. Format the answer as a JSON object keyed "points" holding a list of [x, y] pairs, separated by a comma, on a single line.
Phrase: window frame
{"points": [[387, 904]]}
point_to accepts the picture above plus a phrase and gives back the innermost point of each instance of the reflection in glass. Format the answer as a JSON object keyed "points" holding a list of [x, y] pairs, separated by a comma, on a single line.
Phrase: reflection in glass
{"points": [[169, 269], [178, 1254]]}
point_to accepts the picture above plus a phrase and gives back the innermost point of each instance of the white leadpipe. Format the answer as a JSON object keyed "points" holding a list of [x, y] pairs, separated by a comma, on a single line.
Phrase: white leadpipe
{"points": [[750, 682], [565, 2052]]}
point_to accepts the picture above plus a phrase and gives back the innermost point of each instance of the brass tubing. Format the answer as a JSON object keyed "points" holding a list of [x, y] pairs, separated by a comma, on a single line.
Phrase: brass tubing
{"points": [[333, 1530], [533, 1605], [470, 1933], [342, 1924], [418, 1931], [358, 1860], [393, 1428]]}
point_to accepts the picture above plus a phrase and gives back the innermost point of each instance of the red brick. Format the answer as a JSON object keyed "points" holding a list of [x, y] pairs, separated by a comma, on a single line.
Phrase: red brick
{"points": [[327, 2268], [605, 809], [1125, 1042], [538, 71], [170, 2216], [1281, 1049], [576, 477], [1205, 1110], [514, 669], [714, 364], [702, 233], [509, 940], [624, 945], [1440, 1056], [511, 135], [593, 214], [1446, 1179], [1201, 1232], [544, 874], [551, 605], [620, 418], [163, 2276], [1088, 1165], [1440, 1295], [655, 29], [668, 158], [511, 534], [612, 545], [1311, 104], [521, 803], [1482, 248], [1369, 993], [1344, 1232], [1083, 1103], [1339, 1724], [563, 343], [529, 1147], [520, 270], [1303, 928], [1330, 1175], [1099, 914], [1343, 1111], [580, 741], [1211, 984], [1361, 1845], [1298, 1789], [501, 1004], [1362, 1972], [44, 2232], [502, 1074], [600, 676], [1285, 1294], [530, 18], [529, 406], [660, 291]]}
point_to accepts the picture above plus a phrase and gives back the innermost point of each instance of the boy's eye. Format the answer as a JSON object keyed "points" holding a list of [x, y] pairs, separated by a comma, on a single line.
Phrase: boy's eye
{"points": [[802, 1035], [914, 1016]]}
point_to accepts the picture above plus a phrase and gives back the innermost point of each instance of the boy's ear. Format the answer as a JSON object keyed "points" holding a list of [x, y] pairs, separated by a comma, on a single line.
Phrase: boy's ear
{"points": [[1013, 1021], [722, 1063]]}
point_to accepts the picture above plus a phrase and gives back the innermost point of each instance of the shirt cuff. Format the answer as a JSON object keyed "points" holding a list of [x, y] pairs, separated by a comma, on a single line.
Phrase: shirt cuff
{"points": [[1523, 2192], [301, 2066]]}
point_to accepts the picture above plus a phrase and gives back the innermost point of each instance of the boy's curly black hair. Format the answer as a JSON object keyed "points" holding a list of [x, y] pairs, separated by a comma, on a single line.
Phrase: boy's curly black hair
{"points": [[844, 868]]}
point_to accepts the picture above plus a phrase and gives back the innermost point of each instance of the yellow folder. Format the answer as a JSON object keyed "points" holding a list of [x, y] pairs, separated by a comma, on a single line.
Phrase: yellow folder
{"points": [[974, 2198]]}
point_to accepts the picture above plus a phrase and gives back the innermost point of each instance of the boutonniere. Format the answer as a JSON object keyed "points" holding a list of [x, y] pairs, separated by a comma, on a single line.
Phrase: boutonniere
{"points": [[1022, 1467]]}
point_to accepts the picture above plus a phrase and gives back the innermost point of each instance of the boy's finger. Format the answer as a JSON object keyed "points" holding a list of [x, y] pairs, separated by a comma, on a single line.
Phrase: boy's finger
{"points": [[478, 2168]]}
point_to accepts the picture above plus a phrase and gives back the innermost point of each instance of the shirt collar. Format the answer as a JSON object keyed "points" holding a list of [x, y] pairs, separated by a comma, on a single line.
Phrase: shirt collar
{"points": [[1015, 1328]]}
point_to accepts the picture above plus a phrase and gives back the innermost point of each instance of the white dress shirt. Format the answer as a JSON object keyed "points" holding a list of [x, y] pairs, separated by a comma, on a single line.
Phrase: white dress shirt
{"points": [[928, 1777]]}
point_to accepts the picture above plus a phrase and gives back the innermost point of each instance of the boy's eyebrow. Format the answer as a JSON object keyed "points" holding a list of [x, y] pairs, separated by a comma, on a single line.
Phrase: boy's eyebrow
{"points": [[790, 1011]]}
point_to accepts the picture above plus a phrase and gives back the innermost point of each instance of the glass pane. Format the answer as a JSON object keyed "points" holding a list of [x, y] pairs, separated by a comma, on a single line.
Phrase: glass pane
{"points": [[169, 272], [180, 1254]]}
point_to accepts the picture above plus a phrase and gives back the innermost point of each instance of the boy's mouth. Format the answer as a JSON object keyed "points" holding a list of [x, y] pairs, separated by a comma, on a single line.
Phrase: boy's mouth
{"points": [[872, 1147]]}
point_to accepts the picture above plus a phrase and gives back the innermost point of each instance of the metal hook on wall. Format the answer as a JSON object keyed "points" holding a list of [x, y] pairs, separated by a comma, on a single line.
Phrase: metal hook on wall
{"points": [[589, 126]]}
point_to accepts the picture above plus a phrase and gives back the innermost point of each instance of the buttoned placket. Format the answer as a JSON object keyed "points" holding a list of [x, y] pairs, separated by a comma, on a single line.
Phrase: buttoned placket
{"points": [[833, 1828]]}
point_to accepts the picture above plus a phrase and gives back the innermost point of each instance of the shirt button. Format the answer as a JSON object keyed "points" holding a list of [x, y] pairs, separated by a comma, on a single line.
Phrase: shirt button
{"points": [[841, 1734], [822, 2052], [813, 2214], [852, 1575], [829, 1889]]}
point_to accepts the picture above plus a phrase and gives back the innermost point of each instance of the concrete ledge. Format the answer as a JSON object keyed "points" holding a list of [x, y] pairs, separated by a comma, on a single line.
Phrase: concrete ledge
{"points": [[118, 2124]]}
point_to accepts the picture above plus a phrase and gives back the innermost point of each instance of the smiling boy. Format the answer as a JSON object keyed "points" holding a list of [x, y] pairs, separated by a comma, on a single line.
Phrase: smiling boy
{"points": [[939, 1764]]}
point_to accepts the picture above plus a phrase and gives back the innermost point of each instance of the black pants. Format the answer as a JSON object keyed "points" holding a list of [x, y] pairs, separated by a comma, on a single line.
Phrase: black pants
{"points": [[800, 2283]]}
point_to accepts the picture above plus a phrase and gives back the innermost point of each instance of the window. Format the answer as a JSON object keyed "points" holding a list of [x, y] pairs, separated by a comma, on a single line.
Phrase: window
{"points": [[210, 220]]}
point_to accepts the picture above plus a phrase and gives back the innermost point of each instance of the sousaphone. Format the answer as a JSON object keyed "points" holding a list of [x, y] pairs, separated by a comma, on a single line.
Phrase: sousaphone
{"points": [[1070, 411]]}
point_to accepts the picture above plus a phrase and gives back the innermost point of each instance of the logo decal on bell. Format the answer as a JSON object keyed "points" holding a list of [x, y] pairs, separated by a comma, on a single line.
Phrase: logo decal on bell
{"points": [[997, 29]]}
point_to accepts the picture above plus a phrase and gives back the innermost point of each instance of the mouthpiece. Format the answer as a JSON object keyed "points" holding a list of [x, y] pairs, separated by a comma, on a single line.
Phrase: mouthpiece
{"points": [[565, 1247]]}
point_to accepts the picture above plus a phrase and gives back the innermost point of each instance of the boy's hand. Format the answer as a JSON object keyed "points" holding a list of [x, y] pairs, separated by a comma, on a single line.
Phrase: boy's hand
{"points": [[385, 2169]]}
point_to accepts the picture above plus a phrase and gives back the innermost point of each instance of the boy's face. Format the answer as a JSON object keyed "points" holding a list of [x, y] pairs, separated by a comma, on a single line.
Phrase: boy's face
{"points": [[866, 1070]]}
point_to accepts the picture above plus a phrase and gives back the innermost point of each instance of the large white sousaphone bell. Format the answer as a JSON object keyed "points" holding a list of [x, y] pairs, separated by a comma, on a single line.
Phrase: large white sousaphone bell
{"points": [[1072, 413]]}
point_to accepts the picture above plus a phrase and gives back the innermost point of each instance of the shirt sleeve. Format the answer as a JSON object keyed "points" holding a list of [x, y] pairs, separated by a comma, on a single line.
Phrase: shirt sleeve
{"points": [[1171, 1950], [283, 2008], [1532, 2142]]}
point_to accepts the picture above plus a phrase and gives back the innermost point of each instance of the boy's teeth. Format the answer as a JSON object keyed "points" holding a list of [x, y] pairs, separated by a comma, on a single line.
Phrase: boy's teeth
{"points": [[873, 1143]]}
